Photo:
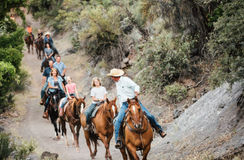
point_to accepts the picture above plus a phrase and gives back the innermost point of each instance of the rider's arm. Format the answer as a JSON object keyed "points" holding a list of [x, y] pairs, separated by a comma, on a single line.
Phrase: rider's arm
{"points": [[51, 54], [44, 78], [64, 72], [94, 99], [133, 85], [50, 86]]}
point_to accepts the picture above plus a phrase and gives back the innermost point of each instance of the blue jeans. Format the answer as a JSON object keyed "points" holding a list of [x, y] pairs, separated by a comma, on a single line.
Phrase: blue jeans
{"points": [[88, 112], [44, 89], [121, 115], [53, 59], [65, 100]]}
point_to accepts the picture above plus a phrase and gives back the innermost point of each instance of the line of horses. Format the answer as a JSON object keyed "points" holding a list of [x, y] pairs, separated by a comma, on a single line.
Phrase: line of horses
{"points": [[136, 132], [38, 43]]}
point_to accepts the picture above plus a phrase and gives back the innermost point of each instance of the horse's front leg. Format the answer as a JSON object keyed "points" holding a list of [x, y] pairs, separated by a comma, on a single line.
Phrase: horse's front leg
{"points": [[54, 122], [77, 134], [109, 139], [146, 151], [123, 152], [88, 143], [105, 142], [72, 128], [132, 151]]}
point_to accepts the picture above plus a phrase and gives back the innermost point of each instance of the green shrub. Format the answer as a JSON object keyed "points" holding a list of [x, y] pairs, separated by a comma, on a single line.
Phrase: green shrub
{"points": [[5, 146], [175, 92], [7, 77], [226, 44], [8, 145]]}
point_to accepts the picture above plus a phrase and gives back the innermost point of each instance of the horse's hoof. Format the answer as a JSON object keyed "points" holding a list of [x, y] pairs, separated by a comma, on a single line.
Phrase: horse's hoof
{"points": [[77, 149]]}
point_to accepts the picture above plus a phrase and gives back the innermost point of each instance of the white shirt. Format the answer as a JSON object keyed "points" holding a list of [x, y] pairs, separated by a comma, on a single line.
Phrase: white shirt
{"points": [[126, 88], [98, 92]]}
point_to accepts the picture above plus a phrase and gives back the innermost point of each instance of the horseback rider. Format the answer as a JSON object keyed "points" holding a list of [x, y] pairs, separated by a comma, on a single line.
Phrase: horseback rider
{"points": [[71, 91], [48, 39], [45, 77], [55, 84], [98, 94], [128, 89], [29, 30], [39, 33], [60, 67], [48, 52]]}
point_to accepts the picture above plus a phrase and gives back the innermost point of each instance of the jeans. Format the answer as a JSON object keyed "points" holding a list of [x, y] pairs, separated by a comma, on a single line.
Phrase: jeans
{"points": [[53, 59], [121, 115], [44, 89], [88, 112], [65, 100]]}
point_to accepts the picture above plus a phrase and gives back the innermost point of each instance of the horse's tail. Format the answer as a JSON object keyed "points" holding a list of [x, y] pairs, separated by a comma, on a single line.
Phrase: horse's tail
{"points": [[93, 137]]}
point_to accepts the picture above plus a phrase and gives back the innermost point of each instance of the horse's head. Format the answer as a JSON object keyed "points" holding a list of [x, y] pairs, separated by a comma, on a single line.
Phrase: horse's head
{"points": [[79, 105], [110, 108], [135, 111]]}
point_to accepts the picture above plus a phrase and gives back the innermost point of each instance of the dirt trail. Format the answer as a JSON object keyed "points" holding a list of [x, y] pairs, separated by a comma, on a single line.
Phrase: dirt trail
{"points": [[33, 126]]}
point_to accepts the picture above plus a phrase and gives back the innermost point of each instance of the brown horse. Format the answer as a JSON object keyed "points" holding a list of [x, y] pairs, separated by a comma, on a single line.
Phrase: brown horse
{"points": [[39, 44], [103, 127], [137, 132], [72, 116], [29, 42]]}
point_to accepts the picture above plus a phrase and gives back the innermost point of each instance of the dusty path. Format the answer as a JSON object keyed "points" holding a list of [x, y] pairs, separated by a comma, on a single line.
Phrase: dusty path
{"points": [[33, 126]]}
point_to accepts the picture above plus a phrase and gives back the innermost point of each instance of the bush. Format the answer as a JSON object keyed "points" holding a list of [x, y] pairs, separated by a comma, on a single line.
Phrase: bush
{"points": [[226, 44], [5, 146], [7, 77], [8, 146], [175, 92]]}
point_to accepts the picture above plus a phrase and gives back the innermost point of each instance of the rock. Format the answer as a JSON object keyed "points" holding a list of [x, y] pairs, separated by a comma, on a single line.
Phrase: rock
{"points": [[1, 129], [47, 155], [33, 157], [194, 99], [123, 65], [126, 60], [192, 93], [176, 113]]}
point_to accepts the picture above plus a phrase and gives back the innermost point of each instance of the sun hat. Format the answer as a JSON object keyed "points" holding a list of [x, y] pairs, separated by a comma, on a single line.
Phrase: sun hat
{"points": [[116, 72], [47, 33]]}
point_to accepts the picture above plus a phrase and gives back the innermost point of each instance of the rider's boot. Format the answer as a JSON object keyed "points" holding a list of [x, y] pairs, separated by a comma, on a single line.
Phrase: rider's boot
{"points": [[161, 133], [61, 113], [118, 144], [45, 115]]}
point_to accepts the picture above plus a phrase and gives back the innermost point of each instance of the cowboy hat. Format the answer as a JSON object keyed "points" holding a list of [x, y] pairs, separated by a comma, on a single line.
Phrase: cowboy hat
{"points": [[47, 33], [116, 72]]}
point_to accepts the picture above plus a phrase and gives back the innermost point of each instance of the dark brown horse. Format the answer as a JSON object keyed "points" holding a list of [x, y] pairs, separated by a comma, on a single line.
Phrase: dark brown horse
{"points": [[29, 40], [137, 132], [45, 64], [72, 116], [53, 111], [103, 127], [39, 44]]}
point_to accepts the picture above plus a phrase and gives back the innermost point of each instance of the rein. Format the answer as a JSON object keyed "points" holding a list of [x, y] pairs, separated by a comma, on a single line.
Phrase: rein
{"points": [[138, 131]]}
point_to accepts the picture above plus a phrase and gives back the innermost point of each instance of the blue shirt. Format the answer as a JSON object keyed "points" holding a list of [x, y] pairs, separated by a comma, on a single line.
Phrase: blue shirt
{"points": [[48, 51], [126, 89], [51, 81], [47, 72], [50, 41], [59, 66]]}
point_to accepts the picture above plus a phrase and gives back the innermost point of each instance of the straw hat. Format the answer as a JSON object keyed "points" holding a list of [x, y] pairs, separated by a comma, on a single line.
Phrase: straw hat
{"points": [[116, 72], [47, 33]]}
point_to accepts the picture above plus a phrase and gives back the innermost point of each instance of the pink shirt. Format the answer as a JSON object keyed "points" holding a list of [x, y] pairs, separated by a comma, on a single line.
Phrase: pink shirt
{"points": [[71, 88]]}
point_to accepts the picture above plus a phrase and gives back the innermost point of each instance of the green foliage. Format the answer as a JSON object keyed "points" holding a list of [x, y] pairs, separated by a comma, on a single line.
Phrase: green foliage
{"points": [[7, 5], [167, 59], [213, 17], [21, 151], [44, 9], [175, 92], [5, 146], [7, 77], [226, 44]]}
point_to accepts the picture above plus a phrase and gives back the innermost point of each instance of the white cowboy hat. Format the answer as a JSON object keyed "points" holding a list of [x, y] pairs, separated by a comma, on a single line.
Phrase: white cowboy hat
{"points": [[116, 72], [47, 33]]}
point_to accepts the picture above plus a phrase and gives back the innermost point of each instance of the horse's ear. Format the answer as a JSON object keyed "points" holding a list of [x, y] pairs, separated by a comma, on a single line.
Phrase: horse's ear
{"points": [[115, 99], [128, 100], [107, 100], [136, 98], [76, 99], [84, 98]]}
